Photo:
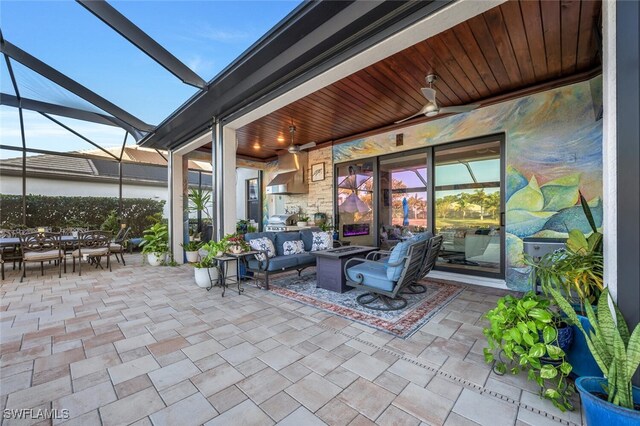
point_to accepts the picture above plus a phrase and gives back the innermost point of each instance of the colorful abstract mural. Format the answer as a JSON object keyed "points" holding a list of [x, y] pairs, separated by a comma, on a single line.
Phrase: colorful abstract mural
{"points": [[553, 150]]}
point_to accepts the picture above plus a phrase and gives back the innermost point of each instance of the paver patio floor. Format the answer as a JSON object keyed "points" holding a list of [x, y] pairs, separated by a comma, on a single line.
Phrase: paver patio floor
{"points": [[145, 345]]}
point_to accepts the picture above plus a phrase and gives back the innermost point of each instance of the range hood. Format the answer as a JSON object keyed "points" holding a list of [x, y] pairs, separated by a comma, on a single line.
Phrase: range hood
{"points": [[290, 177]]}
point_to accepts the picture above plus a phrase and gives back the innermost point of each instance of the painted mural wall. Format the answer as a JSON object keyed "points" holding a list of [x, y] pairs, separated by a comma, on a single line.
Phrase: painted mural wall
{"points": [[553, 150]]}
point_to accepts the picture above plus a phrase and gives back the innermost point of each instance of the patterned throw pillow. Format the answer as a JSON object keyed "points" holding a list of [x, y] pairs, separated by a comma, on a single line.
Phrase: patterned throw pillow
{"points": [[263, 244], [293, 247], [321, 241]]}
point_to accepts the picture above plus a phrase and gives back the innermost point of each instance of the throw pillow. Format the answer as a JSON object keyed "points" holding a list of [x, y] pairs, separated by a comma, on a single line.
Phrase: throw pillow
{"points": [[321, 241], [293, 247], [263, 244]]}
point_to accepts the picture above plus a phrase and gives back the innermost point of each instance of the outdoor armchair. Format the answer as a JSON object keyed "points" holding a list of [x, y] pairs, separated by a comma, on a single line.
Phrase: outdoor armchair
{"points": [[92, 245], [384, 281], [434, 244], [41, 247]]}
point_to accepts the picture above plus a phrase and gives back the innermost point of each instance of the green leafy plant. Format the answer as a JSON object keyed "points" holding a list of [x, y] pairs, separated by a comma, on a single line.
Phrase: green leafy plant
{"points": [[206, 262], [155, 239], [303, 218], [214, 247], [525, 330], [236, 240], [199, 201], [576, 270], [191, 246], [615, 350], [251, 228], [111, 223]]}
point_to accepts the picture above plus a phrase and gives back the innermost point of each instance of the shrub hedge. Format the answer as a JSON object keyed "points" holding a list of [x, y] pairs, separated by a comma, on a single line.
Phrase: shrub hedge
{"points": [[60, 212]]}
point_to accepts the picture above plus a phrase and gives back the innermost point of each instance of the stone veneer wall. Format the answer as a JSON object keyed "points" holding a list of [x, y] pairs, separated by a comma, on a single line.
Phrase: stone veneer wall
{"points": [[320, 196]]}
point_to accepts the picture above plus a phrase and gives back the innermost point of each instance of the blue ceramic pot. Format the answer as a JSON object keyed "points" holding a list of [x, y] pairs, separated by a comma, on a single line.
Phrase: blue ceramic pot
{"points": [[579, 355], [565, 337], [600, 412]]}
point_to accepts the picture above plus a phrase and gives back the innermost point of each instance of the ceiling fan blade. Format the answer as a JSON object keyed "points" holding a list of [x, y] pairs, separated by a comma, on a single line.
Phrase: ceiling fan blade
{"points": [[273, 147], [429, 93], [307, 145], [422, 111], [457, 109]]}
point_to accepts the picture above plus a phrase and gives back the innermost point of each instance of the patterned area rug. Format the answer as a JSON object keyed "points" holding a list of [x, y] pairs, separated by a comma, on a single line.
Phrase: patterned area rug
{"points": [[402, 323]]}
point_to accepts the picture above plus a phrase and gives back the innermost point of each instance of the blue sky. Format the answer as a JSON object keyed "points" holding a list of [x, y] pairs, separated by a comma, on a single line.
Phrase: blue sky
{"points": [[205, 35]]}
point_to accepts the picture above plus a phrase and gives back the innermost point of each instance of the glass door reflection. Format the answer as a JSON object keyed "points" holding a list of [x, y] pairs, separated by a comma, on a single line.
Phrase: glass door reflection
{"points": [[468, 200], [403, 198], [355, 186]]}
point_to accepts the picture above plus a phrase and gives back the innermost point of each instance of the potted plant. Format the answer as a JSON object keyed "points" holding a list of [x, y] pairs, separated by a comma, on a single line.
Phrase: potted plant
{"points": [[199, 202], [205, 271], [213, 248], [236, 243], [611, 399], [531, 337], [155, 243], [576, 272], [191, 250], [303, 220]]}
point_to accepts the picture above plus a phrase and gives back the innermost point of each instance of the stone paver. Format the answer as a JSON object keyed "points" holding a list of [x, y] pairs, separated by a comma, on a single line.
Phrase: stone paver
{"points": [[145, 346]]}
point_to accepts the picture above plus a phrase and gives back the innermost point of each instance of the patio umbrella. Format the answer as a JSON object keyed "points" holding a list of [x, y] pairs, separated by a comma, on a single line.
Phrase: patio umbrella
{"points": [[405, 211], [353, 204]]}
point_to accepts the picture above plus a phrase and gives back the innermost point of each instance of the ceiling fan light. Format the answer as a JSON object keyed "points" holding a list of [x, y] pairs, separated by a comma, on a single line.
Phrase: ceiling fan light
{"points": [[432, 113]]}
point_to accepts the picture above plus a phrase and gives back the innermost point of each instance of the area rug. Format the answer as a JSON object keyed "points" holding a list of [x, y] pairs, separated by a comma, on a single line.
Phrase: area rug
{"points": [[402, 323]]}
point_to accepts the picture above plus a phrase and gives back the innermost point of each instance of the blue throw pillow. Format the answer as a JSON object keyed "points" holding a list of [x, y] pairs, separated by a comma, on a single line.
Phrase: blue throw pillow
{"points": [[399, 251]]}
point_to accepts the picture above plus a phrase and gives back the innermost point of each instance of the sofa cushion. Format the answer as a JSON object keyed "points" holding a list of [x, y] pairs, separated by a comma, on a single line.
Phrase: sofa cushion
{"points": [[373, 275], [263, 244], [398, 252], [305, 259], [276, 263], [293, 247], [321, 241], [306, 235], [281, 237]]}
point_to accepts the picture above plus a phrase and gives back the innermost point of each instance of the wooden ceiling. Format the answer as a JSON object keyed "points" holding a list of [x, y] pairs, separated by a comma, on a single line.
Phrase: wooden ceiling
{"points": [[511, 47]]}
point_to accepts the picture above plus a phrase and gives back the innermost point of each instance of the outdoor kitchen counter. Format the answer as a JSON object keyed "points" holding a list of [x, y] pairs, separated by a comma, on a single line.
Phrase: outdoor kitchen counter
{"points": [[330, 266]]}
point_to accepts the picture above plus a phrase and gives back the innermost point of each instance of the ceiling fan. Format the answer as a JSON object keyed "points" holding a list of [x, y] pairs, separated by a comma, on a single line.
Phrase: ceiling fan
{"points": [[431, 108], [293, 148]]}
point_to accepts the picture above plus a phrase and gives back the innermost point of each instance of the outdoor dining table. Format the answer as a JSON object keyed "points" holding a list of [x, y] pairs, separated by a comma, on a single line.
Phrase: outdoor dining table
{"points": [[15, 241]]}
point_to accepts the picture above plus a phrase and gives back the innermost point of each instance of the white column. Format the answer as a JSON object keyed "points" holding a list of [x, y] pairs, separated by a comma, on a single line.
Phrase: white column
{"points": [[178, 170], [609, 134], [229, 192]]}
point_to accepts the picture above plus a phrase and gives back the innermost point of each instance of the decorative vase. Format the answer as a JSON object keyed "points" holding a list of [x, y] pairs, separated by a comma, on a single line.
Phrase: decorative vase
{"points": [[598, 411], [302, 224], [205, 276], [155, 259], [192, 256], [235, 249]]}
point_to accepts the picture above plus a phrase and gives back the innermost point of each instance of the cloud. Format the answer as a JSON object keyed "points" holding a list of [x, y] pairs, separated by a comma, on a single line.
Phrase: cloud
{"points": [[200, 65]]}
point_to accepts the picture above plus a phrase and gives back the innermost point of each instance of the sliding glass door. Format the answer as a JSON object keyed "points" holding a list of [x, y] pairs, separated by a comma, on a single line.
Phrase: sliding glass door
{"points": [[402, 202], [468, 206]]}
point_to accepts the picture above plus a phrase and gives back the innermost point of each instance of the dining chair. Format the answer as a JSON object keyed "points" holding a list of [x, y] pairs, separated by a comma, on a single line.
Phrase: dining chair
{"points": [[118, 244], [41, 247], [92, 245]]}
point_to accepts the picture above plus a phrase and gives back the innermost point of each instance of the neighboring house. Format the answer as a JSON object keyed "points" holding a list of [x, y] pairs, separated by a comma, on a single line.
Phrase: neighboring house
{"points": [[144, 175]]}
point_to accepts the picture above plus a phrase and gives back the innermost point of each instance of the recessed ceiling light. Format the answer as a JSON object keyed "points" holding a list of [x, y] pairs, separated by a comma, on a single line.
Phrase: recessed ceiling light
{"points": [[256, 145], [280, 139]]}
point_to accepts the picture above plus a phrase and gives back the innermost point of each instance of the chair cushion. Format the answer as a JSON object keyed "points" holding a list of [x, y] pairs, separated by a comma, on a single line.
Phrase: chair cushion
{"points": [[293, 247], [115, 247], [305, 259], [375, 275], [398, 252], [41, 255], [276, 263], [263, 244], [282, 237], [102, 251], [321, 241]]}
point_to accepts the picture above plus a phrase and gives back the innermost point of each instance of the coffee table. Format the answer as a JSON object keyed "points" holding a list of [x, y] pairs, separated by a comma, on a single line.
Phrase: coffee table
{"points": [[330, 266]]}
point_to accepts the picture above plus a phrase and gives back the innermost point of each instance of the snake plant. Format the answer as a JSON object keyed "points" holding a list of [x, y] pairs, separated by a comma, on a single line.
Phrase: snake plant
{"points": [[615, 350]]}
